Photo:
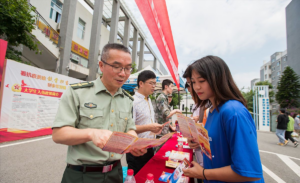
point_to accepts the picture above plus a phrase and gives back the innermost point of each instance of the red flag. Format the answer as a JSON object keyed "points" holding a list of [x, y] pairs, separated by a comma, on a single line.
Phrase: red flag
{"points": [[3, 46], [156, 16]]}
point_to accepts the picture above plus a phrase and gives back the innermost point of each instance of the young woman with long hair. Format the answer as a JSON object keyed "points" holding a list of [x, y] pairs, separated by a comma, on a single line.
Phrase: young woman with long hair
{"points": [[231, 129]]}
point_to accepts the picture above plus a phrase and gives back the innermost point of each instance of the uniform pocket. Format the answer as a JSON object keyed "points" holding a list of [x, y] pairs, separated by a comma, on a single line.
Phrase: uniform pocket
{"points": [[123, 118], [91, 118]]}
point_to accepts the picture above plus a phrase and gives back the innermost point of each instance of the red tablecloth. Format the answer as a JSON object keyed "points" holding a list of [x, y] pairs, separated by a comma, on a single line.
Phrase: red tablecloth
{"points": [[157, 164]]}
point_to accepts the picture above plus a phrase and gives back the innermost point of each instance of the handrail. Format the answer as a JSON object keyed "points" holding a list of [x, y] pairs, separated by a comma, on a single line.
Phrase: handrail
{"points": [[46, 28]]}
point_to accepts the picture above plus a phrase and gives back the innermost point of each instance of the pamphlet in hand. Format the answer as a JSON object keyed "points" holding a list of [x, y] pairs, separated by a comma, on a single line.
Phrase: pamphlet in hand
{"points": [[204, 140], [190, 129], [121, 143], [177, 174]]}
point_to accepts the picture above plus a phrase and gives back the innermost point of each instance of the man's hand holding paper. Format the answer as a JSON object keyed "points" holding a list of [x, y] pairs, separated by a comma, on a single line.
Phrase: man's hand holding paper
{"points": [[99, 136], [156, 128]]}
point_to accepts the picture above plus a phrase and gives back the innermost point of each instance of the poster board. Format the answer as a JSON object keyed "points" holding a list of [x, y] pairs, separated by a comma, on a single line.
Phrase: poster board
{"points": [[30, 99]]}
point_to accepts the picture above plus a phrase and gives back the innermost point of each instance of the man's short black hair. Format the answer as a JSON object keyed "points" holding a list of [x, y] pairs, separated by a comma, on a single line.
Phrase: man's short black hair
{"points": [[166, 82], [112, 46], [144, 76]]}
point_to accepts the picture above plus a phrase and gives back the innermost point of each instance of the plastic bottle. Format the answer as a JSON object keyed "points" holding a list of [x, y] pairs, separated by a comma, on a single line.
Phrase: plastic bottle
{"points": [[130, 178], [150, 178]]}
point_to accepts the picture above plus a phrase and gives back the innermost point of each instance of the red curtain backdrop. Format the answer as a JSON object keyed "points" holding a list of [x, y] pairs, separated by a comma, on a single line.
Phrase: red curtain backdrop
{"points": [[156, 16]]}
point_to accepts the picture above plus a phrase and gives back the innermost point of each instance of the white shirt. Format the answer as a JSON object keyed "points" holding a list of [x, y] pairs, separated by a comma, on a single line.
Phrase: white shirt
{"points": [[195, 110], [143, 113]]}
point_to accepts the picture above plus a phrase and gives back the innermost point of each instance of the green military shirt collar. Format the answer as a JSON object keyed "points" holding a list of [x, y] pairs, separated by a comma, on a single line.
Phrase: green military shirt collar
{"points": [[99, 86], [164, 95]]}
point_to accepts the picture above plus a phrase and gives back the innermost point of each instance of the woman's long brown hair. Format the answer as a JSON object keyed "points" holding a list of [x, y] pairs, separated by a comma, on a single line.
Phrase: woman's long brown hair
{"points": [[216, 72]]}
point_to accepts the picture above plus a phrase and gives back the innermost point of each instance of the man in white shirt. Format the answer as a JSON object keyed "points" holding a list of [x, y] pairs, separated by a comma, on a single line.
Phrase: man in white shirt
{"points": [[143, 115]]}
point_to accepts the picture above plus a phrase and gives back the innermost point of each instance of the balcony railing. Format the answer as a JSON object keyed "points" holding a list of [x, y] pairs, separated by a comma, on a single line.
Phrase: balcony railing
{"points": [[45, 27]]}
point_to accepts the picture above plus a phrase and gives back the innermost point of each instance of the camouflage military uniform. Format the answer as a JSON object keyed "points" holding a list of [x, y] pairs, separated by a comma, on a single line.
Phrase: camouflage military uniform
{"points": [[162, 110]]}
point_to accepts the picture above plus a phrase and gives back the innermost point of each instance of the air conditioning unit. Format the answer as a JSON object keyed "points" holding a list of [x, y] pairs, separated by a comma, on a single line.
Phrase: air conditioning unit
{"points": [[58, 27]]}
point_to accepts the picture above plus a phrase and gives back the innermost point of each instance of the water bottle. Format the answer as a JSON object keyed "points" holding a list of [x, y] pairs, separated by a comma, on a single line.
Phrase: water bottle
{"points": [[150, 178], [130, 178]]}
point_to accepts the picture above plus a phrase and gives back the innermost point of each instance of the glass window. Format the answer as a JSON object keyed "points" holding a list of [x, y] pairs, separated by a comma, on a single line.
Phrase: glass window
{"points": [[273, 60], [56, 10], [80, 28], [266, 76], [84, 62], [278, 74]]}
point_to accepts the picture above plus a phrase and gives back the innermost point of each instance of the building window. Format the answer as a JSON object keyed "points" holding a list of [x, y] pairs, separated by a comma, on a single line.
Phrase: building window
{"points": [[278, 63], [265, 68], [81, 28], [266, 76], [278, 74], [273, 60], [56, 10]]}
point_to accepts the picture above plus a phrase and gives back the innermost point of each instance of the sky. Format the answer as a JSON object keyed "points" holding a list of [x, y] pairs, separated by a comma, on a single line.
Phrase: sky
{"points": [[244, 33]]}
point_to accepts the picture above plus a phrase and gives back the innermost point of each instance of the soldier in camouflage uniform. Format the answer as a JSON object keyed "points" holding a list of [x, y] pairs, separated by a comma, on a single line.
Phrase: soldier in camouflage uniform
{"points": [[161, 107]]}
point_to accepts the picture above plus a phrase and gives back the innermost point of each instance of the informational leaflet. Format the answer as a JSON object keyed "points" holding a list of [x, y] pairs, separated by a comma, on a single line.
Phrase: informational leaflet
{"points": [[204, 140], [177, 174], [179, 156], [122, 143], [190, 129], [183, 125]]}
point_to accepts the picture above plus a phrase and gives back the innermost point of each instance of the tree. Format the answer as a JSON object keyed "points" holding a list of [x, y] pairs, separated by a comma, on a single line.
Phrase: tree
{"points": [[16, 24], [271, 93], [249, 99], [186, 109], [288, 87], [134, 69], [175, 100]]}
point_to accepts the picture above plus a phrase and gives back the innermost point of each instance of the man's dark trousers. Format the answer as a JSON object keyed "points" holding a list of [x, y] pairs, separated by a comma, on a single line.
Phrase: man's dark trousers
{"points": [[137, 163]]}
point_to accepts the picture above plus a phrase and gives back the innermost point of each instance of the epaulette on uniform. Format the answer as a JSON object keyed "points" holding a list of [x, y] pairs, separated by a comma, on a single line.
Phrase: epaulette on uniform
{"points": [[128, 95], [82, 85]]}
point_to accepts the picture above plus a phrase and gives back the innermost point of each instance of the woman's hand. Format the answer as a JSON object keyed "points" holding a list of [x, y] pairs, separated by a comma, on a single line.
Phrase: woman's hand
{"points": [[196, 171], [192, 145]]}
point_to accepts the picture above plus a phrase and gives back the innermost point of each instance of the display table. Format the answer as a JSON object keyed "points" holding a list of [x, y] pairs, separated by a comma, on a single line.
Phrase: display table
{"points": [[156, 165]]}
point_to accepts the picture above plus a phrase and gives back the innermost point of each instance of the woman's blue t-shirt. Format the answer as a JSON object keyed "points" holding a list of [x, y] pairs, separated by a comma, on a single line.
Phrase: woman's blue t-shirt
{"points": [[233, 141]]}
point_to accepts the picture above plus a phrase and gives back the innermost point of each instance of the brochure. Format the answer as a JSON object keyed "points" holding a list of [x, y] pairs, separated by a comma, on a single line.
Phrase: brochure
{"points": [[179, 155], [190, 129], [177, 174], [121, 143]]}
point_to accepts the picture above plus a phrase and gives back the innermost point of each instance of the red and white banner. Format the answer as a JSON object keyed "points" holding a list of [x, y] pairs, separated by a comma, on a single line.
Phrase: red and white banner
{"points": [[156, 16], [30, 100]]}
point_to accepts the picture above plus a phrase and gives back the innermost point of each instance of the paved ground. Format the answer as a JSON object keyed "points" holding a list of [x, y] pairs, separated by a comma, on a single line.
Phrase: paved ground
{"points": [[40, 160]]}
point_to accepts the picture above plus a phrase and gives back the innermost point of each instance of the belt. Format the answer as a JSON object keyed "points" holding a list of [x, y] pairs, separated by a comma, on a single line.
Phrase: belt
{"points": [[89, 168]]}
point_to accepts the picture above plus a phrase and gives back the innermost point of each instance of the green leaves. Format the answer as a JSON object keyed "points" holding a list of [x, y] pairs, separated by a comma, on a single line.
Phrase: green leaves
{"points": [[288, 89], [16, 24]]}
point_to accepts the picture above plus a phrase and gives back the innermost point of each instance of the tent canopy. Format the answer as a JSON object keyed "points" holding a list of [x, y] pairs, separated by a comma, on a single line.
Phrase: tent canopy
{"points": [[131, 83]]}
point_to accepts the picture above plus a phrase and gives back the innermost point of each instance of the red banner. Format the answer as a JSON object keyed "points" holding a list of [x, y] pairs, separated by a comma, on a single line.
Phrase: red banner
{"points": [[3, 46], [40, 92], [156, 16], [6, 135]]}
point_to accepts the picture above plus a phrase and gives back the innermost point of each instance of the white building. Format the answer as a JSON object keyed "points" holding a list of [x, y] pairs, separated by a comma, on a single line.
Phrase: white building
{"points": [[186, 101], [71, 40]]}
